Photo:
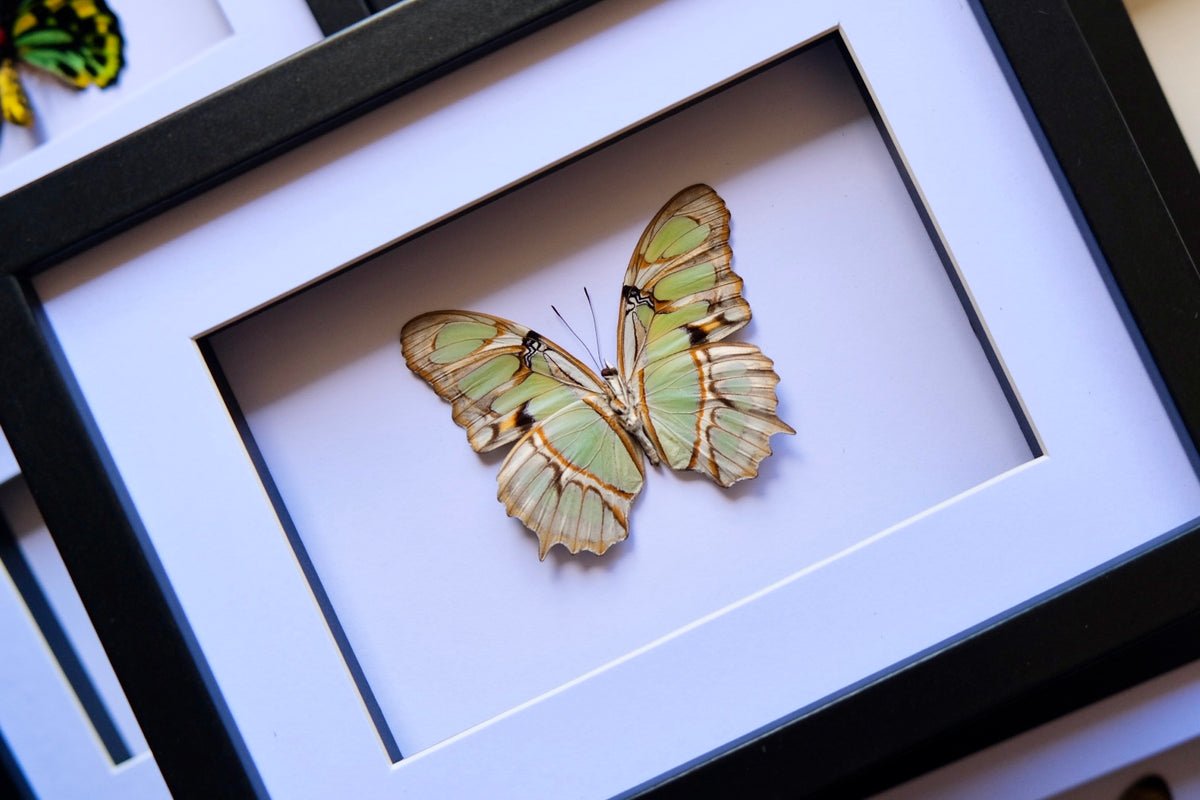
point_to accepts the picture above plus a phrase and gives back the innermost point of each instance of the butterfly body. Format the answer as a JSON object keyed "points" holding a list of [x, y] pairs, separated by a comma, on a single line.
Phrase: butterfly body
{"points": [[679, 394], [625, 408]]}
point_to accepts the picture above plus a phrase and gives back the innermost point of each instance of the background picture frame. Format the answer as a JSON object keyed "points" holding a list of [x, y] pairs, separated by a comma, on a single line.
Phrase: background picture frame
{"points": [[170, 61], [65, 727]]}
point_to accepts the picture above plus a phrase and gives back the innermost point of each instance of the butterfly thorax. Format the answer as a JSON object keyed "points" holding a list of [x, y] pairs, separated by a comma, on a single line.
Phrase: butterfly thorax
{"points": [[620, 400]]}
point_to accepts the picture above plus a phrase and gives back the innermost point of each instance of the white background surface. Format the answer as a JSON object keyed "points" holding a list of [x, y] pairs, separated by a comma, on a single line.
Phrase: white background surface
{"points": [[175, 54], [1114, 476]]}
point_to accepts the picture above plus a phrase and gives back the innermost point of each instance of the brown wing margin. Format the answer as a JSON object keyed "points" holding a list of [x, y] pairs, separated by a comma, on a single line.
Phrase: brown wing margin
{"points": [[500, 377], [680, 289]]}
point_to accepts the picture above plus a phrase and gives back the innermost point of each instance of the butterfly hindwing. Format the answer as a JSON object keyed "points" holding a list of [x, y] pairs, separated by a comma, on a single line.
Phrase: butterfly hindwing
{"points": [[14, 103], [573, 474], [712, 409], [707, 406], [573, 478]]}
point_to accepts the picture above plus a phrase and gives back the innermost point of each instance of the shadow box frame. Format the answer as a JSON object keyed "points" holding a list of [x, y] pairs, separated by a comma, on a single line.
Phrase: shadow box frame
{"points": [[1127, 618]]}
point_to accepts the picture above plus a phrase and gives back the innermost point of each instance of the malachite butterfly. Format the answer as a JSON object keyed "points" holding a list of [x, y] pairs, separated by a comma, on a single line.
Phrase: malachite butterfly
{"points": [[679, 393], [77, 41]]}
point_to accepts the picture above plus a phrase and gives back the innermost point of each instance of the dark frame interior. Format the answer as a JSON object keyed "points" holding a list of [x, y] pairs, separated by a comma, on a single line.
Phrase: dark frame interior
{"points": [[1120, 624]]}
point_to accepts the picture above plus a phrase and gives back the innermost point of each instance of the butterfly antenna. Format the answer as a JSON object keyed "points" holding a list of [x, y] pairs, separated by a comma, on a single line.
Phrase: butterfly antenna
{"points": [[595, 327], [567, 325]]}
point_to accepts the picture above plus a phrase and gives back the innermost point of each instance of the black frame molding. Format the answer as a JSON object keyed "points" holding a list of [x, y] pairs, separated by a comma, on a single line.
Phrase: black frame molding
{"points": [[256, 119], [1132, 84], [1119, 624]]}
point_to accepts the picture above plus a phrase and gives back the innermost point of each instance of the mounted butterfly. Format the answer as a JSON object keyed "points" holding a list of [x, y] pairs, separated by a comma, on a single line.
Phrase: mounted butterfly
{"points": [[77, 41], [678, 394]]}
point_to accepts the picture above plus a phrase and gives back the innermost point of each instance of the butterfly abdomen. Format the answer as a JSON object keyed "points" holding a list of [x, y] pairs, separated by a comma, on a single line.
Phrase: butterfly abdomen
{"points": [[621, 400]]}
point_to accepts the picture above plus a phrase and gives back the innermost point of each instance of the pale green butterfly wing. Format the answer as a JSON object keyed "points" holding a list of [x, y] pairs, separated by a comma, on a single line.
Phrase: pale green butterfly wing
{"points": [[712, 409], [707, 406], [572, 479], [573, 474], [679, 289], [703, 404], [500, 377]]}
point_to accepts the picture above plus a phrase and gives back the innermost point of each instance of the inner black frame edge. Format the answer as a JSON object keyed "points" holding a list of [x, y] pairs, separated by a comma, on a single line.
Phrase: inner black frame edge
{"points": [[1103, 644], [13, 782], [296, 542]]}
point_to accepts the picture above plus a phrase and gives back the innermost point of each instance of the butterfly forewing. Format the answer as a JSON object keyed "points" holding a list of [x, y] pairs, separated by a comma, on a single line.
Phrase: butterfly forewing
{"points": [[707, 406], [679, 289], [573, 474], [500, 377]]}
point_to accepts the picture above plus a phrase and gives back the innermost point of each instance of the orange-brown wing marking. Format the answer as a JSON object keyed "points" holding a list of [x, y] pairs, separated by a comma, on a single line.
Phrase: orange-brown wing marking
{"points": [[500, 377]]}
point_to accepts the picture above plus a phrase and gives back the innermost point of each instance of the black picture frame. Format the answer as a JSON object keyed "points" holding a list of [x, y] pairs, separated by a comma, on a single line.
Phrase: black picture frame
{"points": [[1130, 79], [1119, 624]]}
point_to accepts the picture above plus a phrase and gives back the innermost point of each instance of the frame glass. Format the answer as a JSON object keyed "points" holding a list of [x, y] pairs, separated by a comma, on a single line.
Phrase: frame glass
{"points": [[305, 217]]}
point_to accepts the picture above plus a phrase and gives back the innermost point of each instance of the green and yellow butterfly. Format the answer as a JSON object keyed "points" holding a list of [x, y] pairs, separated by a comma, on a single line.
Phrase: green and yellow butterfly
{"points": [[77, 41], [678, 394]]}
